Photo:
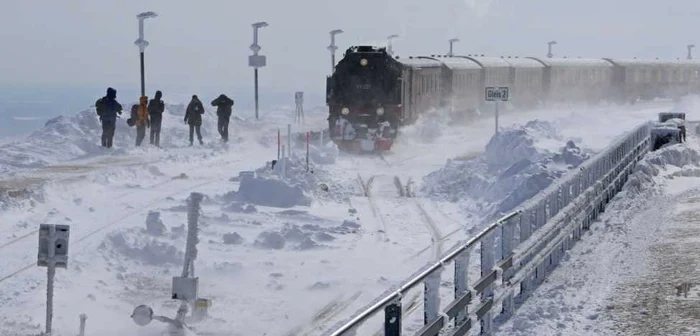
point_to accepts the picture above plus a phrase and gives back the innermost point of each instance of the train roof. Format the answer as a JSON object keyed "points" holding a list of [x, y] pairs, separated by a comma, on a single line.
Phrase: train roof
{"points": [[422, 62], [523, 62], [489, 62], [655, 62], [457, 63], [577, 62]]}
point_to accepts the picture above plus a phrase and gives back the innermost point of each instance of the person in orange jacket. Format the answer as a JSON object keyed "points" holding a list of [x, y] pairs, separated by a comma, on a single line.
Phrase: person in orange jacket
{"points": [[142, 121]]}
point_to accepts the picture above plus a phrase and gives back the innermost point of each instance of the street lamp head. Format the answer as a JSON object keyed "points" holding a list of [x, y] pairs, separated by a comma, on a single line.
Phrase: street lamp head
{"points": [[142, 315], [552, 42], [454, 40], [336, 31], [393, 36], [691, 46], [146, 15], [260, 24]]}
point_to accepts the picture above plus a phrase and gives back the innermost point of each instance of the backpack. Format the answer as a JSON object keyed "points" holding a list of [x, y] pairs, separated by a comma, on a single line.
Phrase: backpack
{"points": [[134, 116], [100, 107]]}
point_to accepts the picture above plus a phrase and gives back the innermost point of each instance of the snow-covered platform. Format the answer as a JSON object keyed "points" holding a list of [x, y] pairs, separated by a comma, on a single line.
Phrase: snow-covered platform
{"points": [[637, 271]]}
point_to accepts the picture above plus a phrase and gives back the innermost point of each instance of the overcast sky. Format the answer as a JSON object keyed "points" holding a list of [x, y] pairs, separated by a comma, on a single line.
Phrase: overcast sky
{"points": [[204, 44]]}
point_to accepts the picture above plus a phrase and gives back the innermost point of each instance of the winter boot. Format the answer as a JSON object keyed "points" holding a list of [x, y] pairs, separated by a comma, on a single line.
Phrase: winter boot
{"points": [[201, 142]]}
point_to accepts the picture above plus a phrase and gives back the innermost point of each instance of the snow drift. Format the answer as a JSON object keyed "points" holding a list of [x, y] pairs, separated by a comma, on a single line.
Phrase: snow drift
{"points": [[66, 137], [517, 164], [684, 159]]}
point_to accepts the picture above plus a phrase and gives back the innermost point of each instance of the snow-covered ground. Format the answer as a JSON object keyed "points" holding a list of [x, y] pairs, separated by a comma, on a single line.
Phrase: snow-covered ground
{"points": [[623, 277], [276, 258]]}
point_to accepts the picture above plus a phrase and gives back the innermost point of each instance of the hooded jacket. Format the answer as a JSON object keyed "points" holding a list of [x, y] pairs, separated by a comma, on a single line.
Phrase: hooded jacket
{"points": [[143, 113], [156, 106], [224, 106], [112, 107], [195, 109]]}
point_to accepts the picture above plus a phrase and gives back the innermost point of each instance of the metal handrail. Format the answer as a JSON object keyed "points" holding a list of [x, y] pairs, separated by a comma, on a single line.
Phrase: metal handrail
{"points": [[410, 284]]}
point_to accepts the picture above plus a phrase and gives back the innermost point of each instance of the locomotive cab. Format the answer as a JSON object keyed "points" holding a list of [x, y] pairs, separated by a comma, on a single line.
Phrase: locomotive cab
{"points": [[364, 97]]}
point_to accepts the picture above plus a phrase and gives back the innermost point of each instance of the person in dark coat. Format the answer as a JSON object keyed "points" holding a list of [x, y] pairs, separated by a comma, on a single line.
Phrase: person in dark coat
{"points": [[155, 111], [193, 117], [224, 107], [108, 108]]}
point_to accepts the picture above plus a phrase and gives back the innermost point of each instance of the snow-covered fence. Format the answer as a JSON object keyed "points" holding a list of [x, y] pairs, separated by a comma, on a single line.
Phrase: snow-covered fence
{"points": [[517, 251]]}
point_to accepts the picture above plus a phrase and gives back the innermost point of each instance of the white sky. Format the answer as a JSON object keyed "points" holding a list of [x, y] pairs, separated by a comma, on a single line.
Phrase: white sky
{"points": [[204, 43]]}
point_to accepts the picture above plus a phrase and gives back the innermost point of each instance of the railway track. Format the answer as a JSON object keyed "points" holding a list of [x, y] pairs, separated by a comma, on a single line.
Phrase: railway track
{"points": [[130, 213]]}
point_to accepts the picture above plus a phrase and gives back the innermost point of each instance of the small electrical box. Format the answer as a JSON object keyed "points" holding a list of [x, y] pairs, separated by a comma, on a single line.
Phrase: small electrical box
{"points": [[201, 308], [53, 245], [185, 288]]}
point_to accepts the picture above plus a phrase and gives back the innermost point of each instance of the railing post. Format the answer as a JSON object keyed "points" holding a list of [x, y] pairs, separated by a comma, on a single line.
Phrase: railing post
{"points": [[392, 319], [431, 297], [487, 264], [461, 283], [507, 234]]}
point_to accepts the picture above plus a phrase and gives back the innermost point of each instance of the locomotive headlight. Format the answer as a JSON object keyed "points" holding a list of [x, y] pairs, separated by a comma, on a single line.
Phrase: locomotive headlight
{"points": [[345, 111], [363, 62], [380, 111]]}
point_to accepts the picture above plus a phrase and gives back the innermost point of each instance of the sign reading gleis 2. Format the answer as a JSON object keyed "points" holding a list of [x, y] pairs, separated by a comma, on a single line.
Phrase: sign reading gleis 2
{"points": [[497, 93]]}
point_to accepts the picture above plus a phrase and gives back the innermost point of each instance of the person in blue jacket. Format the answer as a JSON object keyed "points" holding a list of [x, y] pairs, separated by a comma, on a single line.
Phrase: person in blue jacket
{"points": [[107, 109]]}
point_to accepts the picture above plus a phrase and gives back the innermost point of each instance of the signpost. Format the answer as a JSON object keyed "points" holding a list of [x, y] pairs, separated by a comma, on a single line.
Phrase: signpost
{"points": [[496, 94], [299, 101], [53, 252], [256, 61]]}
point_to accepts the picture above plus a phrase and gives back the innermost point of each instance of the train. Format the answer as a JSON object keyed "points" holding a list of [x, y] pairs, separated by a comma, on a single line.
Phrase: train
{"points": [[371, 94]]}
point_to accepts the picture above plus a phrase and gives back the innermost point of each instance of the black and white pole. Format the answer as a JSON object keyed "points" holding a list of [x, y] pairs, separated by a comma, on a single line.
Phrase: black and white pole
{"points": [[53, 252], [256, 61], [690, 51], [389, 49], [142, 44], [549, 45], [332, 47], [452, 41], [299, 102]]}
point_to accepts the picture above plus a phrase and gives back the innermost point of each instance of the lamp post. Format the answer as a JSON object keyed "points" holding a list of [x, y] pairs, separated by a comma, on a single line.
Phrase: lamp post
{"points": [[452, 41], [389, 38], [332, 47], [142, 44], [256, 61], [690, 51], [550, 44]]}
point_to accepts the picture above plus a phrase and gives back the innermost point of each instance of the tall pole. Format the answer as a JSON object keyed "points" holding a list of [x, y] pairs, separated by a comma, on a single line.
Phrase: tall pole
{"points": [[255, 72], [389, 50], [142, 44], [690, 51], [256, 61], [549, 45], [452, 41], [332, 47], [143, 77]]}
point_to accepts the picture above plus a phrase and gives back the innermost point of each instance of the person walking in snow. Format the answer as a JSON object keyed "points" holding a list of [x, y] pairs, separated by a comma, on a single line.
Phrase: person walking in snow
{"points": [[193, 117], [107, 109], [224, 106], [142, 121], [156, 107]]}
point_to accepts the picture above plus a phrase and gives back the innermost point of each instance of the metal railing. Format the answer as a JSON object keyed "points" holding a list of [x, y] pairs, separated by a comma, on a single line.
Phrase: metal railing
{"points": [[528, 244]]}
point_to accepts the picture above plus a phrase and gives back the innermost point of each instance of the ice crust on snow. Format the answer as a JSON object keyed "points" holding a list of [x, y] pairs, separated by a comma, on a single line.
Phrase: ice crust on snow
{"points": [[512, 169]]}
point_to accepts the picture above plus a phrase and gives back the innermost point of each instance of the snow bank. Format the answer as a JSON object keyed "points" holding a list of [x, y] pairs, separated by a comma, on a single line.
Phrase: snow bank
{"points": [[518, 163], [674, 156], [70, 137], [132, 244]]}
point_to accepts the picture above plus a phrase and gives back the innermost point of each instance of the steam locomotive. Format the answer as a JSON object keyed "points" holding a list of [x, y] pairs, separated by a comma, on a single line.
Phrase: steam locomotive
{"points": [[371, 93]]}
